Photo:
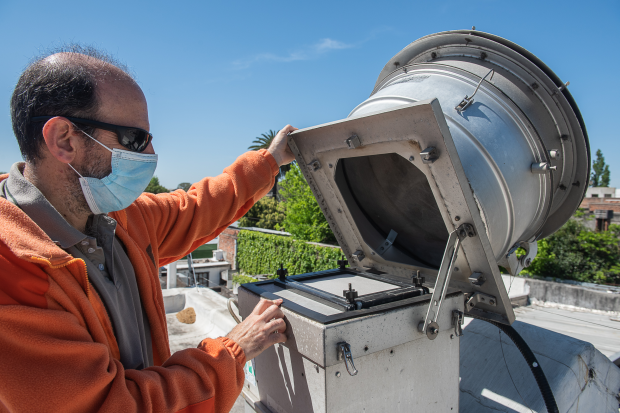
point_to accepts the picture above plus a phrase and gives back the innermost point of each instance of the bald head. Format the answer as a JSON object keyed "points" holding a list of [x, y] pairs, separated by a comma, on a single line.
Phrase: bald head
{"points": [[75, 81]]}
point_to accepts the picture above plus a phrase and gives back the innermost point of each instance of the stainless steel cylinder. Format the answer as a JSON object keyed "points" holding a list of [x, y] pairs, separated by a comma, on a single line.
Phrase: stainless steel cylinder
{"points": [[517, 129]]}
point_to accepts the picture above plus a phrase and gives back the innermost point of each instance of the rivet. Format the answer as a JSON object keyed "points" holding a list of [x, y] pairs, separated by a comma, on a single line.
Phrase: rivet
{"points": [[337, 374]]}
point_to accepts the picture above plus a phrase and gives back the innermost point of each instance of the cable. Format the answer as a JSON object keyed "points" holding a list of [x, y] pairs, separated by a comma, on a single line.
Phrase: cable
{"points": [[532, 362], [508, 370]]}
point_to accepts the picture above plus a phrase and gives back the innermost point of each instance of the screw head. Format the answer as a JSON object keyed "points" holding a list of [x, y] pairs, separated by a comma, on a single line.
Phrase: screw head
{"points": [[337, 374]]}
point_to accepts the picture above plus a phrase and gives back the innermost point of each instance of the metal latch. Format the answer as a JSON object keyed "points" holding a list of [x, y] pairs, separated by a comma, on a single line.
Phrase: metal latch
{"points": [[344, 353], [457, 321], [468, 100]]}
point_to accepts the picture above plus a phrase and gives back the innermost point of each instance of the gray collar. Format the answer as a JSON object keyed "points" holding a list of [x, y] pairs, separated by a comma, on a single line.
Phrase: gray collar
{"points": [[29, 199]]}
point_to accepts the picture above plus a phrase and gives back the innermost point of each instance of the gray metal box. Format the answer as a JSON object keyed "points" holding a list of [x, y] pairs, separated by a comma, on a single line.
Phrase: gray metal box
{"points": [[399, 368]]}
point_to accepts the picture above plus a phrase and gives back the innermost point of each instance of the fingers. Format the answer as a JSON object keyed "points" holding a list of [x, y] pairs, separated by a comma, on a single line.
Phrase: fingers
{"points": [[272, 312], [277, 324], [288, 129], [277, 338], [264, 304]]}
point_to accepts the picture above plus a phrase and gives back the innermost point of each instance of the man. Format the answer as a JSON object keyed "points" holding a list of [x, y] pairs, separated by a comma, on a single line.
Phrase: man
{"points": [[82, 321]]}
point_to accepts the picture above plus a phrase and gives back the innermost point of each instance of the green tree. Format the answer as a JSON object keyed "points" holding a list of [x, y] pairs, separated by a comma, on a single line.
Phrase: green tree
{"points": [[578, 253], [266, 213], [600, 171], [184, 186], [304, 218], [154, 186]]}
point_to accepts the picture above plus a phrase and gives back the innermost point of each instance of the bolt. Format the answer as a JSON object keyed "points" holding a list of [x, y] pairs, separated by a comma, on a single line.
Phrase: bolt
{"points": [[452, 336], [456, 268], [534, 85], [492, 302], [396, 63], [483, 55], [391, 351], [365, 348], [457, 218], [331, 166], [411, 158], [433, 55], [337, 374], [534, 364], [433, 330], [528, 262]]}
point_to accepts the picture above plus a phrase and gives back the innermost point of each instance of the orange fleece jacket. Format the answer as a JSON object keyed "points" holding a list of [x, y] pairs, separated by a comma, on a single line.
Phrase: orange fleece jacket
{"points": [[58, 352]]}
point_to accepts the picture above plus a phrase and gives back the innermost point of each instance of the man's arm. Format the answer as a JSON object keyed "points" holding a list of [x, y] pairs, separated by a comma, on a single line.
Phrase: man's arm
{"points": [[182, 221], [54, 358]]}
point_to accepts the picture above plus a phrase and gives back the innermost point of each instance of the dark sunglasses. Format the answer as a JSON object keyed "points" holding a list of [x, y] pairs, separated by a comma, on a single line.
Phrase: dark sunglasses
{"points": [[134, 139]]}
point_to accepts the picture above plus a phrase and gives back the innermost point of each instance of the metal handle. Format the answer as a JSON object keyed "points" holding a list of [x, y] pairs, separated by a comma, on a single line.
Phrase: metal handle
{"points": [[234, 301]]}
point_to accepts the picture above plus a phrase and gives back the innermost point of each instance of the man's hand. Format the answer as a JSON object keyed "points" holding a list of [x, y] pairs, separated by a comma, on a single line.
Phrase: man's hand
{"points": [[261, 329], [279, 146]]}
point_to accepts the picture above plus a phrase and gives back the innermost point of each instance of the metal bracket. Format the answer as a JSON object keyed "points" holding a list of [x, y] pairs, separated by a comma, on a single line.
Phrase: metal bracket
{"points": [[344, 353], [481, 298], [457, 322], [429, 325], [387, 244], [429, 155], [513, 264], [353, 142], [468, 100]]}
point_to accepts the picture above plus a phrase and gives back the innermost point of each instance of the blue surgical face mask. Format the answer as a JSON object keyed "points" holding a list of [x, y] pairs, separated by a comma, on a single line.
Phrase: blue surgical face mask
{"points": [[131, 173]]}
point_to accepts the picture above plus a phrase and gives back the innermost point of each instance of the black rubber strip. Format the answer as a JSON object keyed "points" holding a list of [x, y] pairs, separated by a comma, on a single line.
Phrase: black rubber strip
{"points": [[534, 365]]}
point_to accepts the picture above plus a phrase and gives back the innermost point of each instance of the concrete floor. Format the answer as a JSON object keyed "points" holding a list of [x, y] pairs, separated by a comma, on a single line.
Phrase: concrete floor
{"points": [[213, 320]]}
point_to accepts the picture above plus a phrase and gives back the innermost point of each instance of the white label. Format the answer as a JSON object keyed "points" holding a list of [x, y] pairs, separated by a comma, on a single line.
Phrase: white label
{"points": [[250, 374]]}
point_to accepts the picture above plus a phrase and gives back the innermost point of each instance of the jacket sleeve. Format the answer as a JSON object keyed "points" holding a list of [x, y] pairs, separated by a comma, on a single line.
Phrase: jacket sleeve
{"points": [[50, 363], [182, 221]]}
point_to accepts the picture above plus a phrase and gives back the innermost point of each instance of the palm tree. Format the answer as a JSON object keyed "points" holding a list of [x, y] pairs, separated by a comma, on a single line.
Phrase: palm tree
{"points": [[263, 142]]}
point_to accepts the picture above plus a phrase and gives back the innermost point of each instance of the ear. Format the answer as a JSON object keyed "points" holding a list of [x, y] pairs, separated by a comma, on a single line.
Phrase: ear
{"points": [[62, 139]]}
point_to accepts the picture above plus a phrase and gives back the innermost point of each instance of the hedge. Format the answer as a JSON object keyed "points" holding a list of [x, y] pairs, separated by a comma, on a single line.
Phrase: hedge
{"points": [[260, 253]]}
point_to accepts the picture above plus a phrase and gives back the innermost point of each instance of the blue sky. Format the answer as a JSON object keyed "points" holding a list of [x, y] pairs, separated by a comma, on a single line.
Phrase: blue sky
{"points": [[218, 74]]}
